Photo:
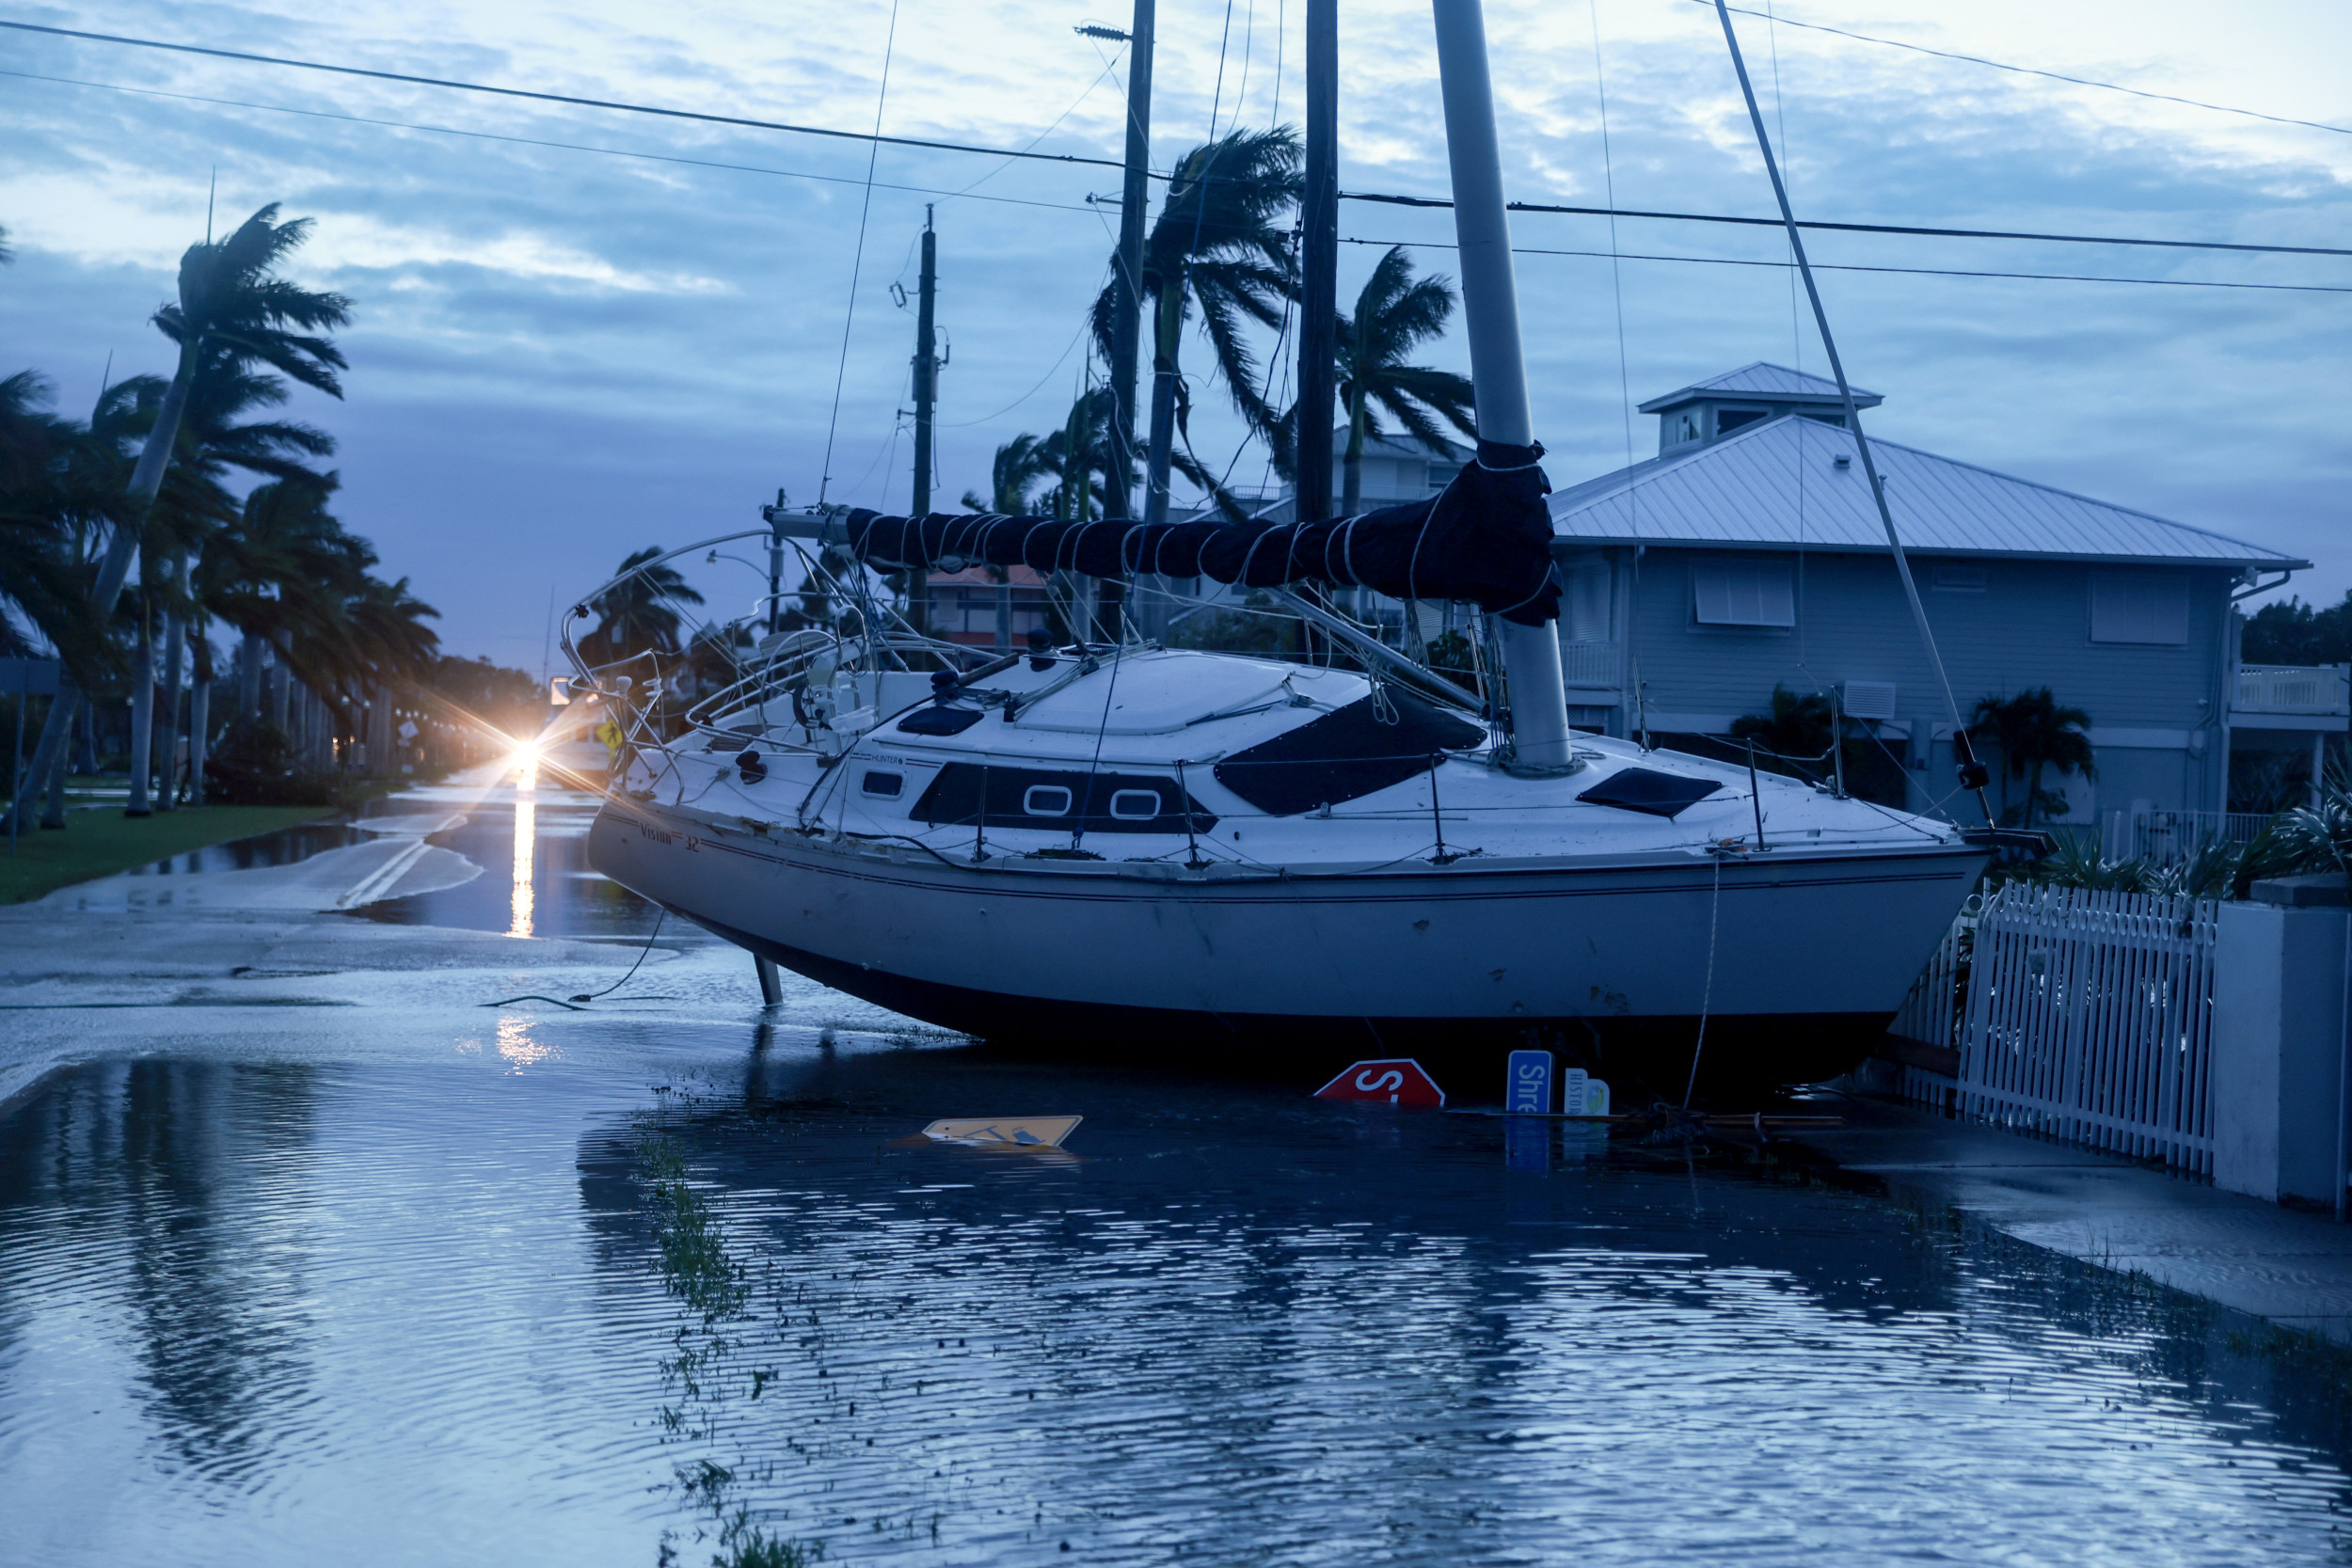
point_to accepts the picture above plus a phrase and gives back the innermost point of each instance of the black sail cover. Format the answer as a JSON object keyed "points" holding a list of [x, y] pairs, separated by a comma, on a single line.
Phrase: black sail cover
{"points": [[1484, 540]]}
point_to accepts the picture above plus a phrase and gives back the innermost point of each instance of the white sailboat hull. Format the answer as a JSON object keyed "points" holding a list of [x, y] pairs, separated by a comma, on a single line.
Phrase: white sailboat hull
{"points": [[1799, 959]]}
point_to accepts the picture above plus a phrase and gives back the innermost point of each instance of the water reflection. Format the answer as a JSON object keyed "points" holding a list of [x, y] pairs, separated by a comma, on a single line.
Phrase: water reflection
{"points": [[189, 1212], [526, 844], [517, 1046], [1242, 1329], [552, 1315]]}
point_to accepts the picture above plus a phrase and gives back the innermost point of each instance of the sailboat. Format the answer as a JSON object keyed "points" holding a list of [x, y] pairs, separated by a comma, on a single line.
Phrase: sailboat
{"points": [[1130, 849]]}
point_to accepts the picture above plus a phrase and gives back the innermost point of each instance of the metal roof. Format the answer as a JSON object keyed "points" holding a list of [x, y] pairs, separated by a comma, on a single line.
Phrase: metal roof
{"points": [[1761, 383], [1776, 486], [1399, 443]]}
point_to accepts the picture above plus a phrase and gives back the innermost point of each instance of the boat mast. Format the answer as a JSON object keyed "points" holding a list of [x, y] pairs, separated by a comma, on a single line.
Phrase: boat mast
{"points": [[1318, 264], [926, 369], [1491, 309], [1973, 775]]}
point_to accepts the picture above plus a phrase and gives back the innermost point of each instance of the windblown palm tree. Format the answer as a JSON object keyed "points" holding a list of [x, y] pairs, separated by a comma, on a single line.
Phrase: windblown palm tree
{"points": [[638, 613], [1020, 464], [231, 302], [46, 496], [1220, 250], [2034, 732], [1396, 313]]}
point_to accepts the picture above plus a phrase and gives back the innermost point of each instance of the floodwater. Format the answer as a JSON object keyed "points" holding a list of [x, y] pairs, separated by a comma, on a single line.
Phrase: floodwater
{"points": [[424, 1282]]}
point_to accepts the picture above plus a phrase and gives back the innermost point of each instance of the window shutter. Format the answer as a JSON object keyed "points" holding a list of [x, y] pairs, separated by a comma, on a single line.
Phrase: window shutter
{"points": [[2139, 607], [1743, 593]]}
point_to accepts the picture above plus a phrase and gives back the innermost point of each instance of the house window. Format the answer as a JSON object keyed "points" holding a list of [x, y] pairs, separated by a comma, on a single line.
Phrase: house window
{"points": [[1678, 429], [1729, 420], [1743, 593], [1585, 605], [2141, 606], [1959, 580], [1441, 474]]}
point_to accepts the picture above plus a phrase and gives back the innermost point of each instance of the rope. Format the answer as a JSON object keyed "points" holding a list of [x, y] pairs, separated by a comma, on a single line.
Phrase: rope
{"points": [[1706, 996], [591, 996]]}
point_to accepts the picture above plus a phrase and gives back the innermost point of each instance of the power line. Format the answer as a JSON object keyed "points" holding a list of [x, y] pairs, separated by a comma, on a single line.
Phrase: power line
{"points": [[1074, 159], [556, 96], [1923, 271], [720, 165], [1863, 227], [2030, 70]]}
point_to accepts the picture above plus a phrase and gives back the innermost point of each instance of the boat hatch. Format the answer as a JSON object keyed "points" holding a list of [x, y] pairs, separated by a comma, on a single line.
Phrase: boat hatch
{"points": [[967, 794], [1161, 693], [940, 720], [1650, 792], [1352, 752]]}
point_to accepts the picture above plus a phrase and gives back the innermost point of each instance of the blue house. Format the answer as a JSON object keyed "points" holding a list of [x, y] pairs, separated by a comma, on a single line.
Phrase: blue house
{"points": [[1747, 554]]}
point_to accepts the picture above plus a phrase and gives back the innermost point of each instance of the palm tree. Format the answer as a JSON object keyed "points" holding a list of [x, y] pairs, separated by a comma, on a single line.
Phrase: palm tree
{"points": [[44, 494], [2034, 732], [1020, 463], [638, 613], [1220, 247], [1396, 313], [232, 301]]}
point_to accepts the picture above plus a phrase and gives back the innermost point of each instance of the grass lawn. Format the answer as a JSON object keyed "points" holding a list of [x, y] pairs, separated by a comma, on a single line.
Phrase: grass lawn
{"points": [[103, 841]]}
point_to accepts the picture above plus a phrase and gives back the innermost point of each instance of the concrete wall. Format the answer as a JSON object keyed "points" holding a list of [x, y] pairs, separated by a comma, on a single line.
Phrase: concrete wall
{"points": [[2156, 711], [2278, 1051]]}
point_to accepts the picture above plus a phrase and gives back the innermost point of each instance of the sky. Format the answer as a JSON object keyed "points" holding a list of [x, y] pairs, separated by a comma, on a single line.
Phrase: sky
{"points": [[579, 332]]}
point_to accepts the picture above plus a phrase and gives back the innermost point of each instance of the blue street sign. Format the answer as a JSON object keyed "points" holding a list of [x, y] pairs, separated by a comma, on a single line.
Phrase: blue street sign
{"points": [[1527, 1089]]}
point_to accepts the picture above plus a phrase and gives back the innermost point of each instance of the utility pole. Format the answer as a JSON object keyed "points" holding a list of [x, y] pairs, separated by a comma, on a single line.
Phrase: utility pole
{"points": [[926, 367], [1319, 262], [1127, 269], [1134, 200]]}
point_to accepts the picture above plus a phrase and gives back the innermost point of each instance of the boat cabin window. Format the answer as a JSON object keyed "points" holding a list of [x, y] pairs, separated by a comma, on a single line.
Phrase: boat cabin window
{"points": [[1134, 805], [1046, 800], [883, 786], [969, 794], [1346, 754]]}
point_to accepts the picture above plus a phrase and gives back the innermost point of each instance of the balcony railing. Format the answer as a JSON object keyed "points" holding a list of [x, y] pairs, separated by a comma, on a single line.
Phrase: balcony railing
{"points": [[1591, 663], [2321, 690]]}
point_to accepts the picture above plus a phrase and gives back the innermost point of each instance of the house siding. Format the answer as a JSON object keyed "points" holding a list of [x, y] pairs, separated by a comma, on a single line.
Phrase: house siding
{"points": [[2031, 626]]}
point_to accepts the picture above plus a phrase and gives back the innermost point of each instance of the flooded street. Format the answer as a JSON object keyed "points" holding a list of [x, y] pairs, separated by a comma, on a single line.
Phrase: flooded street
{"points": [[324, 1260]]}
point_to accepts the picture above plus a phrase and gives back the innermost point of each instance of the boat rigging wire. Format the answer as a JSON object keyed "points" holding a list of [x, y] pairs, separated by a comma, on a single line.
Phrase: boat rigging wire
{"points": [[938, 145], [1625, 393], [1853, 426], [857, 259], [2050, 75]]}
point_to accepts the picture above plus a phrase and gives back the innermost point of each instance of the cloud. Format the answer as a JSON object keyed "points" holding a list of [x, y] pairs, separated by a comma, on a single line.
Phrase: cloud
{"points": [[561, 355]]}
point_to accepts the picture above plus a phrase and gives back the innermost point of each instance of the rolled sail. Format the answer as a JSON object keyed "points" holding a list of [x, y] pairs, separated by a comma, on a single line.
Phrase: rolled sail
{"points": [[1484, 540]]}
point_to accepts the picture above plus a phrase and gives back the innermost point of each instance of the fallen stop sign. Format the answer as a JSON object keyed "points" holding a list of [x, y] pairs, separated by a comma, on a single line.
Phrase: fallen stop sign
{"points": [[1396, 1081]]}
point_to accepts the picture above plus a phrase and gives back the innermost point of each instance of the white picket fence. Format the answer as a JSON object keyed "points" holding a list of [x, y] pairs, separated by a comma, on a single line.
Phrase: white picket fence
{"points": [[2088, 1016]]}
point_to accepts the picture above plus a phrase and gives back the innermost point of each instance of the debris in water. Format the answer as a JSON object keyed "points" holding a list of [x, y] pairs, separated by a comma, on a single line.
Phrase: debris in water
{"points": [[1006, 1132], [1398, 1081]]}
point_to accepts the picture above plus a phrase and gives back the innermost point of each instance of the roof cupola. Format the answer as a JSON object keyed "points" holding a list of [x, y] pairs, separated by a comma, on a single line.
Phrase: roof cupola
{"points": [[1725, 404]]}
